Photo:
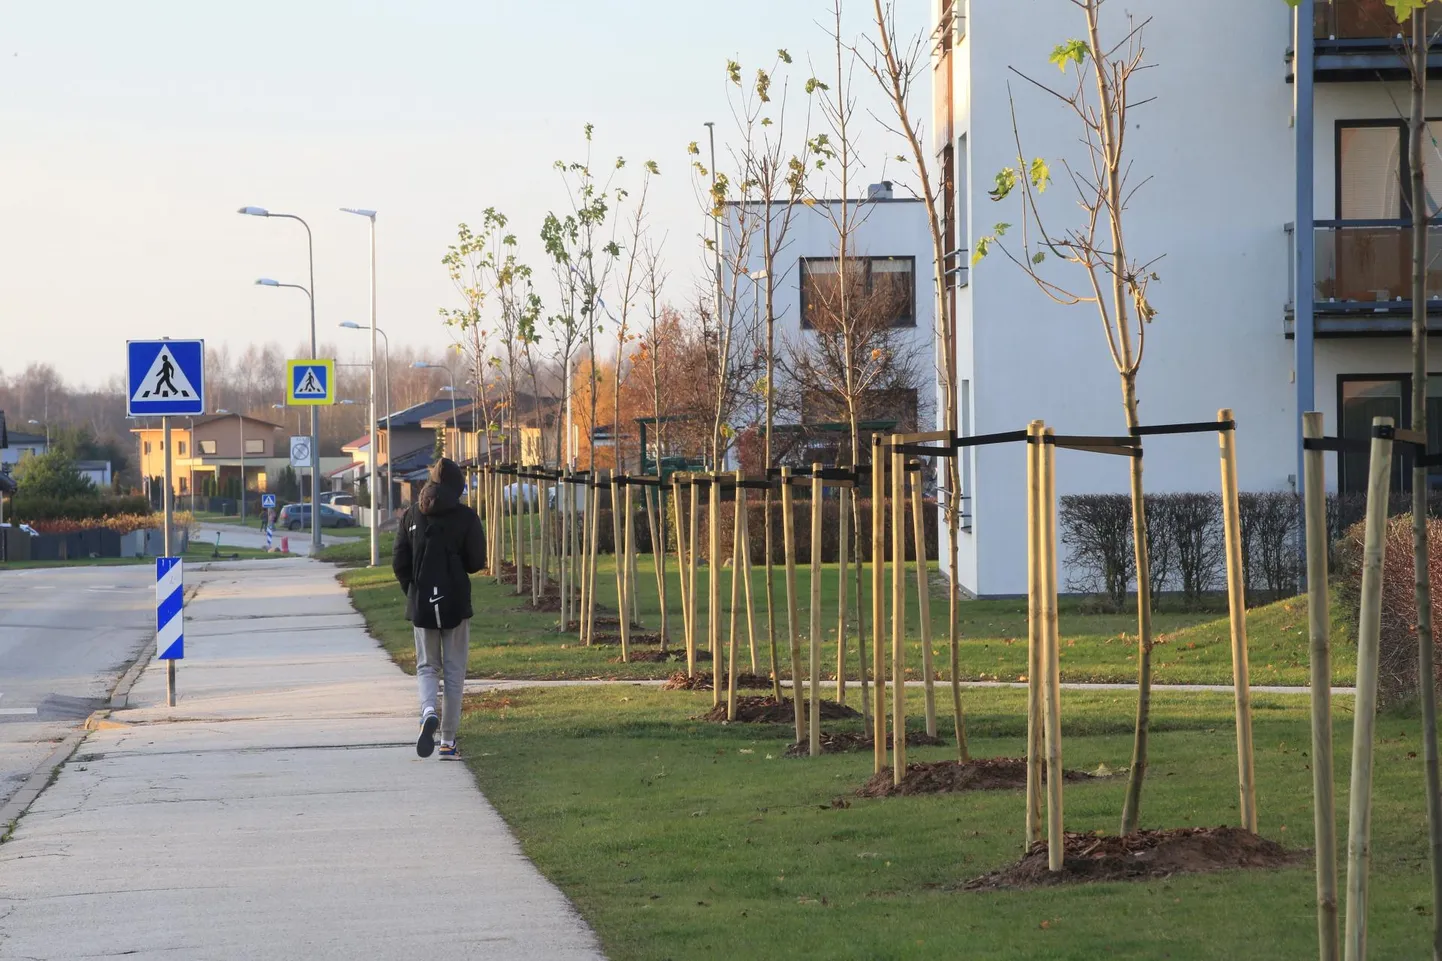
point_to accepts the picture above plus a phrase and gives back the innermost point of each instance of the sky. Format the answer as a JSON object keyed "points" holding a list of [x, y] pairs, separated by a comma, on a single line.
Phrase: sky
{"points": [[132, 132]]}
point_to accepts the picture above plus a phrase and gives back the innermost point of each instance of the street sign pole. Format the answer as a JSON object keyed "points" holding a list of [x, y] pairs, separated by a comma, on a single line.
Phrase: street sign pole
{"points": [[169, 502]]}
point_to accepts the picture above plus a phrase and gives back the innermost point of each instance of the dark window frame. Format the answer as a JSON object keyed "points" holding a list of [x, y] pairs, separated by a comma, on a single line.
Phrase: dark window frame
{"points": [[259, 446], [208, 448], [1404, 161], [1402, 473], [907, 320]]}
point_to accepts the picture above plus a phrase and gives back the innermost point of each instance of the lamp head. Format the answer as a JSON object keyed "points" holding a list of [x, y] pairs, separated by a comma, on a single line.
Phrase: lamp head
{"points": [[254, 211], [359, 211], [351, 325], [267, 282]]}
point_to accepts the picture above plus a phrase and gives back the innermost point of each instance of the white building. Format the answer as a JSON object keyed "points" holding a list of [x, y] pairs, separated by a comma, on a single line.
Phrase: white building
{"points": [[1223, 142], [889, 248], [22, 444]]}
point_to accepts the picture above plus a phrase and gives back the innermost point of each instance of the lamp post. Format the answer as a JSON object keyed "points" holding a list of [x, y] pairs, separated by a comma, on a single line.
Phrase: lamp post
{"points": [[241, 419], [451, 387], [371, 448], [375, 424], [314, 412]]}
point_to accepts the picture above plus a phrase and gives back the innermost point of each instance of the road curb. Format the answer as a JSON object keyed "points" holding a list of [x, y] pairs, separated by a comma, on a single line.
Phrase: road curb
{"points": [[39, 779]]}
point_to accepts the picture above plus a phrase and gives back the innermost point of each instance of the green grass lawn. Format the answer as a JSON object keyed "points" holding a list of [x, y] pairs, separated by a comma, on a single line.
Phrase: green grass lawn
{"points": [[678, 839], [508, 640], [254, 523]]}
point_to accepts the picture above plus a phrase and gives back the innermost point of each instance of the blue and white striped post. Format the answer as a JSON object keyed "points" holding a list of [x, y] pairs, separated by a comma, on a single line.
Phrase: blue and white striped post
{"points": [[169, 618]]}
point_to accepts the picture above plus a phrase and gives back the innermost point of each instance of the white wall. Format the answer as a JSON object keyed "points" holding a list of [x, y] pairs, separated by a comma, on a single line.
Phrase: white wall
{"points": [[1217, 142]]}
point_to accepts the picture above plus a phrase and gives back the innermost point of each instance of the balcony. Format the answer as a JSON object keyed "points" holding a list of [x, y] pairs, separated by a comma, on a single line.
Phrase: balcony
{"points": [[1361, 40], [1363, 279]]}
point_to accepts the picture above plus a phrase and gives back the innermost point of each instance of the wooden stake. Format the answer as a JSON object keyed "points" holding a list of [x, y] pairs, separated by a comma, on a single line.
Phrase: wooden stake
{"points": [[695, 548], [1051, 683], [713, 585], [858, 575], [656, 515], [923, 604], [878, 599], [814, 687], [622, 522], [841, 593], [583, 536], [1319, 622], [632, 569], [736, 562], [788, 527], [678, 501], [898, 617], [1035, 619], [1369, 631], [593, 558], [518, 511], [745, 509], [1237, 608]]}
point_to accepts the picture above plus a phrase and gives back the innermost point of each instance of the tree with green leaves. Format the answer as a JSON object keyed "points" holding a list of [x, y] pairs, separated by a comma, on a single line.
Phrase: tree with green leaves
{"points": [[1099, 96], [895, 65], [52, 474], [631, 287], [468, 263]]}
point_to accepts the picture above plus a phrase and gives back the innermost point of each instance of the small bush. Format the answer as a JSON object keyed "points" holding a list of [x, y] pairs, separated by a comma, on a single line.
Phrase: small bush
{"points": [[30, 508], [1096, 530]]}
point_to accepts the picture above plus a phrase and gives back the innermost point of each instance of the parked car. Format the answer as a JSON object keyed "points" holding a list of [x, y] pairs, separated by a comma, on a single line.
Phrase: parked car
{"points": [[296, 517], [340, 500]]}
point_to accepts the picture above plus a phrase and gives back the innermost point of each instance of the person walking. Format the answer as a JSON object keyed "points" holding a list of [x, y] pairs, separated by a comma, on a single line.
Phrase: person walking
{"points": [[439, 544]]}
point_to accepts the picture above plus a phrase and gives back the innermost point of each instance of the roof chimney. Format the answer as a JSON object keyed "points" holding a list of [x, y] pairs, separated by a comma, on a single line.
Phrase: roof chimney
{"points": [[881, 191]]}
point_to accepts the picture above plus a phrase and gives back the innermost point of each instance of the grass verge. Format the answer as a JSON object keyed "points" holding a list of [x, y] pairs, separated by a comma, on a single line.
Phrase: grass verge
{"points": [[677, 839], [508, 640]]}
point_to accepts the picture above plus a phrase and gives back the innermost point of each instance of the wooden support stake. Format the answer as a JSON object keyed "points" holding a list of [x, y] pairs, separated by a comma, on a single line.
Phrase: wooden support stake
{"points": [[1369, 632], [923, 604], [898, 617], [592, 561], [626, 548], [788, 528], [1319, 622], [678, 501], [583, 542], [878, 599], [632, 568], [656, 517], [736, 543], [1035, 618], [745, 549], [695, 548], [713, 588], [841, 594], [1237, 608], [814, 687], [859, 576], [1051, 682]]}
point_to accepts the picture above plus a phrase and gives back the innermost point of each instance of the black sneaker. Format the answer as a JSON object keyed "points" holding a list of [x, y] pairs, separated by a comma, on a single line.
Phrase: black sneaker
{"points": [[426, 743]]}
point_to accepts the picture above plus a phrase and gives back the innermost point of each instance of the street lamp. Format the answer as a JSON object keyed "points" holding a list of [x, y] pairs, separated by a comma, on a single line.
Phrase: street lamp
{"points": [[314, 412], [375, 424], [450, 388], [36, 423], [224, 413], [371, 448]]}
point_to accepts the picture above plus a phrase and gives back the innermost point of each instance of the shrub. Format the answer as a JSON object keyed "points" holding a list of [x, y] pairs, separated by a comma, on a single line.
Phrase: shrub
{"points": [[1397, 656], [52, 475], [31, 508], [1096, 530]]}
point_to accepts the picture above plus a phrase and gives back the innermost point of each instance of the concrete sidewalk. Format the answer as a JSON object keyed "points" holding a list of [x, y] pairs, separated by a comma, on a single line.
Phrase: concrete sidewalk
{"points": [[279, 811]]}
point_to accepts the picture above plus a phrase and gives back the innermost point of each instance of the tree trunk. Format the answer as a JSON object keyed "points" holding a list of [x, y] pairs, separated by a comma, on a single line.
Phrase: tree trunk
{"points": [[1426, 684], [1131, 809]]}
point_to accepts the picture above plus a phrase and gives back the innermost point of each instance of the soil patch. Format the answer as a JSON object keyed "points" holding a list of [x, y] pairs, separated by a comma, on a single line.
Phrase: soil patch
{"points": [[766, 710], [1140, 856], [841, 742], [653, 656], [948, 777], [637, 637], [702, 681]]}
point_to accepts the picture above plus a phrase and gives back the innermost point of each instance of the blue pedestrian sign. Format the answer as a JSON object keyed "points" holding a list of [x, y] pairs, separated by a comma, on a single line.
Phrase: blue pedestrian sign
{"points": [[310, 383], [165, 378], [267, 501], [169, 608]]}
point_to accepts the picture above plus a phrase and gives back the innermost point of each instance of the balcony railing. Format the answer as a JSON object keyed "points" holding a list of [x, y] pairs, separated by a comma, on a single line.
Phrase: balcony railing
{"points": [[1363, 274], [1363, 22]]}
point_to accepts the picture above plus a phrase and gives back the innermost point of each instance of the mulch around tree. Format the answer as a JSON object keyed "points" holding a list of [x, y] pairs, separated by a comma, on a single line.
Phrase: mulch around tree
{"points": [[702, 681], [637, 637], [842, 742], [766, 710], [653, 656], [949, 777], [1141, 856]]}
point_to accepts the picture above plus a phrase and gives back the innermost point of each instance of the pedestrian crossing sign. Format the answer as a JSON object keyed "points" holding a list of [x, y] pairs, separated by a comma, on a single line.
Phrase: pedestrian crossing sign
{"points": [[309, 383], [165, 378]]}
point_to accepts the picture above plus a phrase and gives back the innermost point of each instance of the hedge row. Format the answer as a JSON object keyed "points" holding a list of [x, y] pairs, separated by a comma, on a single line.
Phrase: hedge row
{"points": [[28, 508]]}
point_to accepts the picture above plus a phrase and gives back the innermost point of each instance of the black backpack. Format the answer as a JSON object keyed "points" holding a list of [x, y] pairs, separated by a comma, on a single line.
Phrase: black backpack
{"points": [[438, 605]]}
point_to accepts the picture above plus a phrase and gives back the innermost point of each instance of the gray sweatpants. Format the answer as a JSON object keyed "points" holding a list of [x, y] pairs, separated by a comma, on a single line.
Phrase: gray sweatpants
{"points": [[437, 652]]}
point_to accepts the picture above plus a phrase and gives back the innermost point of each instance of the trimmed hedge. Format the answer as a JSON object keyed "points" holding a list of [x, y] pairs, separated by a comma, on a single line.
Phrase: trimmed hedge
{"points": [[26, 508]]}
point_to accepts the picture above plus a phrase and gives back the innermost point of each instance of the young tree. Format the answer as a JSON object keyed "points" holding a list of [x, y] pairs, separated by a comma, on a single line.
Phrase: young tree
{"points": [[632, 286], [895, 66], [468, 263], [1116, 283]]}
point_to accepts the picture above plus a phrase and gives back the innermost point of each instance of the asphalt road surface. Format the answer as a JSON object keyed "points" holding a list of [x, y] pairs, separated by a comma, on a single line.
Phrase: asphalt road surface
{"points": [[66, 635]]}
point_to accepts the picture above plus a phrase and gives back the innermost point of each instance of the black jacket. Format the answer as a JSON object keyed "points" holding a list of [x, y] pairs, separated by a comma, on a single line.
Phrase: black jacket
{"points": [[456, 526]]}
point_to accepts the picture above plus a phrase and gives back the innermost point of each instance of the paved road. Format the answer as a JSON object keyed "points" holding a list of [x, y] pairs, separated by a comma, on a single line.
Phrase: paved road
{"points": [[65, 637]]}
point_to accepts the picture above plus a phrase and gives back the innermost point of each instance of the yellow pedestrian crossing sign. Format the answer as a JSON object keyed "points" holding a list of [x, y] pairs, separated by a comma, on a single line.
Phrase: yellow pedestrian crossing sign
{"points": [[309, 383]]}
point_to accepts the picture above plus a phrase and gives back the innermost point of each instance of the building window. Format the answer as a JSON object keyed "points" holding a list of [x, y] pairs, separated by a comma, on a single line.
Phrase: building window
{"points": [[1361, 397], [147, 447], [184, 488], [882, 286], [254, 446], [207, 447], [180, 448]]}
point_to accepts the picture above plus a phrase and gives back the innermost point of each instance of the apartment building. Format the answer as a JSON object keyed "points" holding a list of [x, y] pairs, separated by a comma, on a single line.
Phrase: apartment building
{"points": [[1247, 133]]}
